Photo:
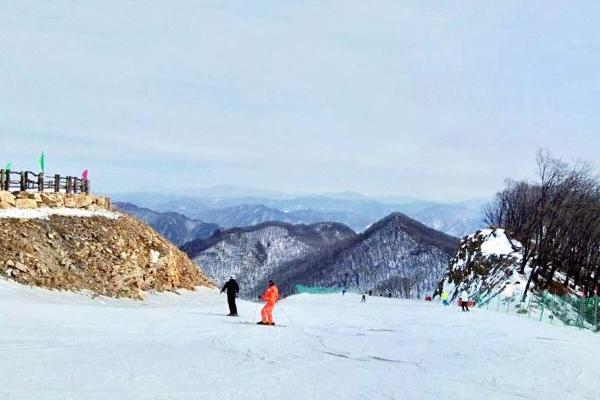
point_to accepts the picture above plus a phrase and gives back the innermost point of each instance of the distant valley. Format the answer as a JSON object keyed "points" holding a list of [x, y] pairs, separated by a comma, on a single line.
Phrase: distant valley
{"points": [[234, 209]]}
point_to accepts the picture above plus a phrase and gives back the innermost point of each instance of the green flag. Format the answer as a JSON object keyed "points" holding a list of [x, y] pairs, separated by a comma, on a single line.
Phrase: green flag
{"points": [[43, 162], [8, 166]]}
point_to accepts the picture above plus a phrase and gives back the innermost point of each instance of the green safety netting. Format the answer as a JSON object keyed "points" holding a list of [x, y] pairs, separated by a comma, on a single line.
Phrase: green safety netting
{"points": [[317, 289], [567, 310], [581, 312]]}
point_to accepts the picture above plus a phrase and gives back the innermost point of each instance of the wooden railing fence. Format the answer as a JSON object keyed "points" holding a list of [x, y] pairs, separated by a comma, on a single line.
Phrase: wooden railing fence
{"points": [[29, 181]]}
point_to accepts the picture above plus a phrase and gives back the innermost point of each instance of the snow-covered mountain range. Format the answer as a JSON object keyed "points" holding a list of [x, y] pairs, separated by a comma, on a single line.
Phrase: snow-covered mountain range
{"points": [[246, 215], [396, 255], [232, 208], [176, 227], [252, 254]]}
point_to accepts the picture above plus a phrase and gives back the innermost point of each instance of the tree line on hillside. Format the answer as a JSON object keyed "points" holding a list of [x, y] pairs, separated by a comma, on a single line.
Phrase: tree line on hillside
{"points": [[557, 220]]}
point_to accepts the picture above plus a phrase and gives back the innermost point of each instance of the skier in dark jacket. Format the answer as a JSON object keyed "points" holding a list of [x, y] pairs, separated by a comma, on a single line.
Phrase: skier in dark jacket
{"points": [[232, 289]]}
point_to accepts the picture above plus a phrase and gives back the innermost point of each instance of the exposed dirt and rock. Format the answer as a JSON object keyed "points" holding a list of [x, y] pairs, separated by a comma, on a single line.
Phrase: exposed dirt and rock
{"points": [[28, 200], [119, 257]]}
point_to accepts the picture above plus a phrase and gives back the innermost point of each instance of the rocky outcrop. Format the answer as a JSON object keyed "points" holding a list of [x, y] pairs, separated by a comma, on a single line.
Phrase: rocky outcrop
{"points": [[7, 200], [26, 203], [485, 264], [30, 200], [120, 257]]}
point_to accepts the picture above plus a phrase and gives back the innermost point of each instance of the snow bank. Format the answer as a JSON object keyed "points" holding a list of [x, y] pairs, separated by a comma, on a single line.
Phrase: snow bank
{"points": [[45, 213], [496, 243], [485, 265]]}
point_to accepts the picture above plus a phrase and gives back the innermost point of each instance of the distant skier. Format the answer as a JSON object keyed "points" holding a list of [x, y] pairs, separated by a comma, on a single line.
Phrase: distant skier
{"points": [[390, 295], [270, 296], [232, 289], [364, 298], [444, 298], [464, 301], [343, 292], [370, 293]]}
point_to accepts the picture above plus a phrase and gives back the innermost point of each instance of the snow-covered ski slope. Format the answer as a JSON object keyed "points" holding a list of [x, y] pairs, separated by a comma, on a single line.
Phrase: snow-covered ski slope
{"points": [[69, 346]]}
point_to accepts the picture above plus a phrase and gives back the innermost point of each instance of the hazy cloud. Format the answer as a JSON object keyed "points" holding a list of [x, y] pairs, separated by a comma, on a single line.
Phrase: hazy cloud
{"points": [[416, 98]]}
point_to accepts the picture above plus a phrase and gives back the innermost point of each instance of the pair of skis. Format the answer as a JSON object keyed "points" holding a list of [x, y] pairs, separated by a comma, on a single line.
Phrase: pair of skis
{"points": [[256, 324]]}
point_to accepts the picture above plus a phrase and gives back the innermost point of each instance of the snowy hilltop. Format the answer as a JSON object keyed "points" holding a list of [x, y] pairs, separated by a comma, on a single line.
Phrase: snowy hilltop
{"points": [[487, 262], [489, 268], [396, 255]]}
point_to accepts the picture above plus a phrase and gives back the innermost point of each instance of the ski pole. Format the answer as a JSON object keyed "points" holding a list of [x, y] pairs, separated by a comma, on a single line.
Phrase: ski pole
{"points": [[286, 315], [255, 309]]}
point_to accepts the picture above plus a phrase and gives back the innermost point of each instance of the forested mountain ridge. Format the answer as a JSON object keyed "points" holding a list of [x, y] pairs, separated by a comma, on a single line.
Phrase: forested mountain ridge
{"points": [[253, 253], [396, 255], [176, 227]]}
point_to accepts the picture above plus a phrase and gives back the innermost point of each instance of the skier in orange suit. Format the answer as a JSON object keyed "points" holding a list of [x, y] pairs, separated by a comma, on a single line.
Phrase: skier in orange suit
{"points": [[270, 296]]}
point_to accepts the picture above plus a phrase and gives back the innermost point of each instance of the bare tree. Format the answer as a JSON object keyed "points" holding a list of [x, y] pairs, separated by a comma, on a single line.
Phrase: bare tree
{"points": [[557, 220]]}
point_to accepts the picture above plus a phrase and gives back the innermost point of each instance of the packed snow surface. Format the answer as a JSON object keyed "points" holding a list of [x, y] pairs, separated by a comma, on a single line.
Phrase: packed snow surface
{"points": [[46, 212], [70, 346], [497, 243]]}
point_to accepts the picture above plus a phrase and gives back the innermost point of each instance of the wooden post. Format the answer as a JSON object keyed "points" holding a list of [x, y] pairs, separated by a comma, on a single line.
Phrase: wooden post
{"points": [[543, 303], [56, 183], [1, 179], [24, 181], [7, 180], [86, 186], [582, 311], [41, 182], [69, 183], [596, 311]]}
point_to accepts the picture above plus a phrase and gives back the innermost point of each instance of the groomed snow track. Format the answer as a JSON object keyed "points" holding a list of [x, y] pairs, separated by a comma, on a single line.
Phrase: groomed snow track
{"points": [[181, 346]]}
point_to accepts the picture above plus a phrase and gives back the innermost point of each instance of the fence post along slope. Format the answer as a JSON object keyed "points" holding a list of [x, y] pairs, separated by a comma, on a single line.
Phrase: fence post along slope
{"points": [[24, 181]]}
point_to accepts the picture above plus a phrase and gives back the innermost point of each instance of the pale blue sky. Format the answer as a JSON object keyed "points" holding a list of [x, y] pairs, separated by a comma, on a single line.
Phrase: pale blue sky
{"points": [[432, 99]]}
